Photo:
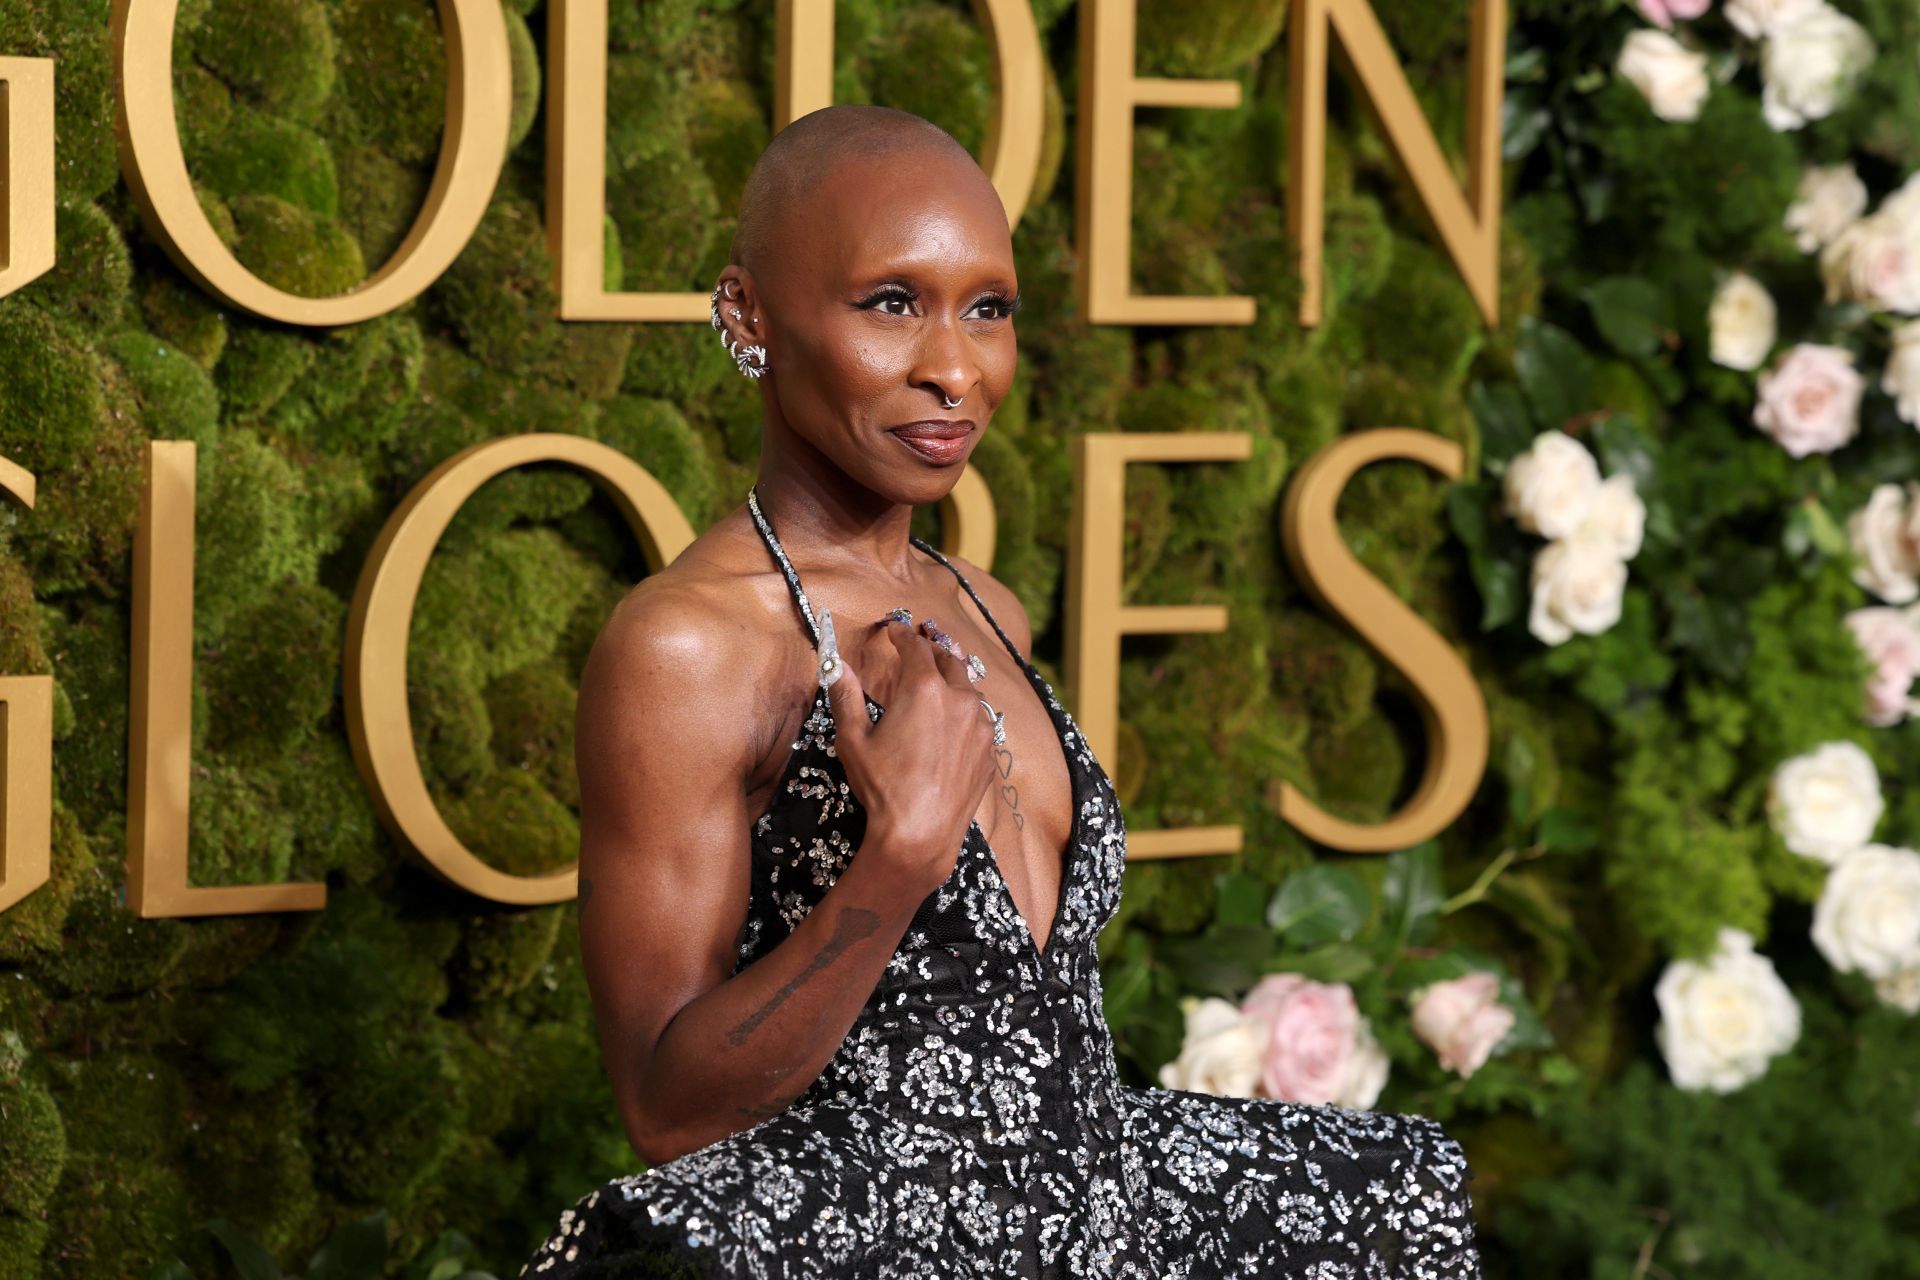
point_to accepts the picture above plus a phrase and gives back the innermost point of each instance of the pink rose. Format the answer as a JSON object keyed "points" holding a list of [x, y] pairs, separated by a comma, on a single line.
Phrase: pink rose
{"points": [[1810, 399], [1891, 642], [1661, 13], [1320, 1049], [1461, 1019]]}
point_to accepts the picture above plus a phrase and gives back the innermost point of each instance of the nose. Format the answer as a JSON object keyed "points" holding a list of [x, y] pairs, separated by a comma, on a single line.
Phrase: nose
{"points": [[946, 365]]}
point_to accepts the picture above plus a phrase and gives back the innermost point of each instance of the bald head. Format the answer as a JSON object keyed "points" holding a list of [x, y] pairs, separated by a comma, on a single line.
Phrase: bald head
{"points": [[796, 163]]}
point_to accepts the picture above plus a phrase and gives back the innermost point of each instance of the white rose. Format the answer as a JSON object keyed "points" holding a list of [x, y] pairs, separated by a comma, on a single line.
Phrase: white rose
{"points": [[1810, 63], [1616, 518], [1577, 586], [1887, 562], [1890, 638], [1876, 261], [1670, 76], [1741, 322], [1830, 199], [1222, 1052], [1901, 988], [1550, 485], [1868, 917], [1901, 380], [1756, 18], [1368, 1073], [1826, 802], [1723, 1019], [1904, 204]]}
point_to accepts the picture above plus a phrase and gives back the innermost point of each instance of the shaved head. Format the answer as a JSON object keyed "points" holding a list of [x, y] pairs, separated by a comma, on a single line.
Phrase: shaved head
{"points": [[796, 164]]}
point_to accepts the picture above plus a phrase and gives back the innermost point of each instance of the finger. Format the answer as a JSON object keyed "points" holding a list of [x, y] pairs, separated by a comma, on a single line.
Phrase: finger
{"points": [[947, 655], [845, 693], [916, 652]]}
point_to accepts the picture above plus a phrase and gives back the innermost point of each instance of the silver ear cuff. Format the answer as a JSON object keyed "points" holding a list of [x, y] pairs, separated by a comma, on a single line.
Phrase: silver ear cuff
{"points": [[752, 360]]}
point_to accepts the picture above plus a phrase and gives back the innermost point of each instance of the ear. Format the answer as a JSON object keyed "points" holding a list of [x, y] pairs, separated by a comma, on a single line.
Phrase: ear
{"points": [[736, 315]]}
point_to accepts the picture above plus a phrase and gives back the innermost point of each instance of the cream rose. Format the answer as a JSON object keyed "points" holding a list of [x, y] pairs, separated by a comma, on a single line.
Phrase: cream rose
{"points": [[1757, 18], [1616, 519], [1662, 13], [1901, 989], [1830, 199], [1319, 1048], [1577, 586], [1891, 640], [1461, 1019], [1222, 1050], [1826, 802], [1887, 562], [1876, 261], [1549, 486], [1868, 917], [1810, 400], [1901, 378], [1741, 323], [1670, 76], [1723, 1019], [1809, 65]]}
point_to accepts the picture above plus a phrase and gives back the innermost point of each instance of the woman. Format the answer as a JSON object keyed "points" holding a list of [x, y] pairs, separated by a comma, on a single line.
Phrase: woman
{"points": [[843, 962]]}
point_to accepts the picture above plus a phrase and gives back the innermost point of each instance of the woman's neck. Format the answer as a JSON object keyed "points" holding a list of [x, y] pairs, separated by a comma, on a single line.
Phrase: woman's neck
{"points": [[825, 519]]}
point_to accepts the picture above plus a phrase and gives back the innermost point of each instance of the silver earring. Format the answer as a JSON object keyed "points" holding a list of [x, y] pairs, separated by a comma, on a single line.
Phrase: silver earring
{"points": [[744, 357], [949, 404]]}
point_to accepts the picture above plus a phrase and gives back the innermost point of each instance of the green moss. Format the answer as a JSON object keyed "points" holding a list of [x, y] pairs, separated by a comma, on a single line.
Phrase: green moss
{"points": [[261, 365], [264, 155], [532, 712], [55, 406], [392, 77], [249, 1156], [499, 607], [451, 731], [33, 1148], [251, 532], [92, 276], [184, 316], [294, 250], [351, 401], [526, 78], [336, 828], [1206, 40], [379, 199], [33, 927], [935, 62], [728, 129], [271, 677], [176, 395], [654, 434], [114, 1218], [280, 53], [75, 36], [101, 953], [386, 1123]]}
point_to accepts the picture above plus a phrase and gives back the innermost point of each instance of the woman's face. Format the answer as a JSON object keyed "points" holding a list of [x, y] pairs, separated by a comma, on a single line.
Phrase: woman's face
{"points": [[892, 289]]}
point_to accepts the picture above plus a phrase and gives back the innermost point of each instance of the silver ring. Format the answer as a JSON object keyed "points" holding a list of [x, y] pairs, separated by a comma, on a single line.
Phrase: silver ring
{"points": [[949, 404], [999, 722]]}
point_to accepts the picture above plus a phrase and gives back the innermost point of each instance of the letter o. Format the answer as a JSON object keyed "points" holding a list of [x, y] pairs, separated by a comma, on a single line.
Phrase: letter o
{"points": [[479, 106], [379, 724]]}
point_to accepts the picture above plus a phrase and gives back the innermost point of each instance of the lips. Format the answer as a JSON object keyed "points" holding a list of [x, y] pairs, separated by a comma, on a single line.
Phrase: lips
{"points": [[936, 439]]}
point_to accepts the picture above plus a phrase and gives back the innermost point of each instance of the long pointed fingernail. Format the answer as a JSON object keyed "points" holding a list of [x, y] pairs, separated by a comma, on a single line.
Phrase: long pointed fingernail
{"points": [[830, 665]]}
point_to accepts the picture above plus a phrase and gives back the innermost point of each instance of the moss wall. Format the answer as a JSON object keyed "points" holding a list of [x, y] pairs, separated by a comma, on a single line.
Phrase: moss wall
{"points": [[415, 1050]]}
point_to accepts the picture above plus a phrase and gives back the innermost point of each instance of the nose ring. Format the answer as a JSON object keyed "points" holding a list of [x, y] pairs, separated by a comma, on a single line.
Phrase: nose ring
{"points": [[949, 404]]}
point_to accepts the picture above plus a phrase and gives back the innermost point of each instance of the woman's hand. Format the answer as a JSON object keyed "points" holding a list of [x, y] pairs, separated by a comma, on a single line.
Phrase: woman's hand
{"points": [[921, 771]]}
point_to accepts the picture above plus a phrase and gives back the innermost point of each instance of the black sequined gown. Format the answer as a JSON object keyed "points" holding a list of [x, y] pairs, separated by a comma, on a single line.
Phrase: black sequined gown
{"points": [[972, 1125]]}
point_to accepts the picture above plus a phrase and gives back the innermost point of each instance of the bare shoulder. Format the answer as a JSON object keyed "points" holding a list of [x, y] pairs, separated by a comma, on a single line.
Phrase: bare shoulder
{"points": [[1000, 599]]}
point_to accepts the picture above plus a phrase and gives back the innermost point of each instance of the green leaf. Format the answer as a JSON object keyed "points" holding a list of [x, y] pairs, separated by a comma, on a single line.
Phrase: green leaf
{"points": [[1336, 962], [1626, 310], [1412, 895], [1319, 904], [1567, 831], [251, 1260], [1621, 445], [1223, 961], [1556, 373], [1506, 424], [171, 1269], [355, 1251], [1242, 898]]}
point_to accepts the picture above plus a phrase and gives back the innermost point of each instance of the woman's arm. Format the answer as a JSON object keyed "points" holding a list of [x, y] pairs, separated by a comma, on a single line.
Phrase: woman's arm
{"points": [[665, 745]]}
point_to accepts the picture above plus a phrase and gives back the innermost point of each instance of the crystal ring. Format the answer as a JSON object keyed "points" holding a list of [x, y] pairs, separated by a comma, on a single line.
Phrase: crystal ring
{"points": [[999, 719]]}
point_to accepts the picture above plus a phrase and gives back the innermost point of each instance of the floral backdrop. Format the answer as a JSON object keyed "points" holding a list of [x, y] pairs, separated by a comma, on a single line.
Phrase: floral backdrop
{"points": [[1662, 977]]}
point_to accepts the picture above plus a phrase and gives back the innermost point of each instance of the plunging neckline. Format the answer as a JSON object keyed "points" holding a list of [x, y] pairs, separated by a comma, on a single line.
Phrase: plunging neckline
{"points": [[1069, 857]]}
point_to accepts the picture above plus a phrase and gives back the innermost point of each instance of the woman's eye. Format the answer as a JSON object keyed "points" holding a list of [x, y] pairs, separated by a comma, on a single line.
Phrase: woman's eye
{"points": [[998, 308], [887, 298]]}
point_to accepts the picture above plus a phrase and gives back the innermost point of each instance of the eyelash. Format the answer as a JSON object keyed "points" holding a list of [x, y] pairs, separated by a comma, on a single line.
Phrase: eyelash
{"points": [[887, 293]]}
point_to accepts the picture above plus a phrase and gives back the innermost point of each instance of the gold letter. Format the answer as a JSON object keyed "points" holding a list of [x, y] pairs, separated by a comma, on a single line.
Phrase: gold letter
{"points": [[160, 725], [479, 102], [26, 747], [1096, 616], [26, 171], [1451, 707], [967, 520], [1471, 234], [1103, 173], [803, 82], [379, 725]]}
